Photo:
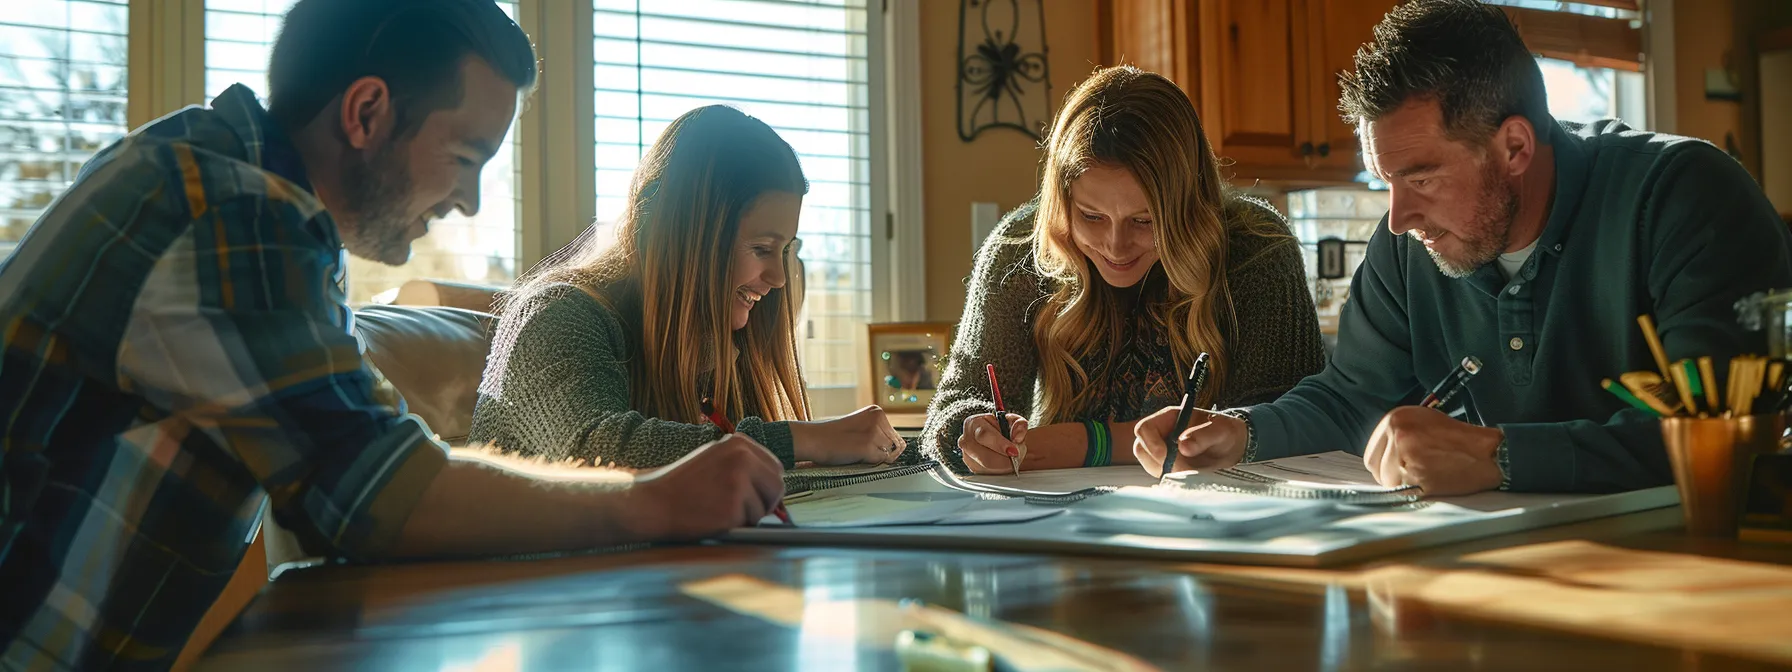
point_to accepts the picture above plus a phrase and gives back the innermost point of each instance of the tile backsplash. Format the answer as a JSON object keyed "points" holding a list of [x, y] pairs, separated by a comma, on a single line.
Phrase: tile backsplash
{"points": [[1349, 213]]}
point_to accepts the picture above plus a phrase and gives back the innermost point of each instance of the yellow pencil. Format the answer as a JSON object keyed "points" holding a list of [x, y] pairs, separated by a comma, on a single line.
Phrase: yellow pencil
{"points": [[1709, 378], [1654, 341], [1733, 391], [1677, 371]]}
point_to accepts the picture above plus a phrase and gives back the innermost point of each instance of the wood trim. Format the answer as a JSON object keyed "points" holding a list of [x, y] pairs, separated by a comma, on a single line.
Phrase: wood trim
{"points": [[1658, 77], [1277, 139], [140, 63], [1615, 4], [1589, 41], [1210, 99], [251, 574], [165, 69], [1290, 178], [1776, 40], [1104, 31], [1304, 41], [1318, 105], [906, 278], [557, 175]]}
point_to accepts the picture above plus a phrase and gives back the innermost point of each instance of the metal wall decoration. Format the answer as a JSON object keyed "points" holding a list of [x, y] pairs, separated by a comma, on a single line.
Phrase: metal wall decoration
{"points": [[1331, 258], [1003, 78]]}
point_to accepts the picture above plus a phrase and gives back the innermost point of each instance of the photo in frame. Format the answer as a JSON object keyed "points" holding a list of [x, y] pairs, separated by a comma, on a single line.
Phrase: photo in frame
{"points": [[907, 361]]}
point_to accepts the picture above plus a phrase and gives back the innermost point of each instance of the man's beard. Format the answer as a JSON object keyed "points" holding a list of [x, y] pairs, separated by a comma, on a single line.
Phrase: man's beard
{"points": [[377, 189], [1487, 235]]}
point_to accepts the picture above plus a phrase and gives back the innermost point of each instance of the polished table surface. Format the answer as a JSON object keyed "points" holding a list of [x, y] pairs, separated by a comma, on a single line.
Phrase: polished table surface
{"points": [[628, 611]]}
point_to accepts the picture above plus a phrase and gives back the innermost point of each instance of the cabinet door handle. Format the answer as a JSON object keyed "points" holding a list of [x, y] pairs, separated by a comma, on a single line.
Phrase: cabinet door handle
{"points": [[1306, 149], [1325, 149]]}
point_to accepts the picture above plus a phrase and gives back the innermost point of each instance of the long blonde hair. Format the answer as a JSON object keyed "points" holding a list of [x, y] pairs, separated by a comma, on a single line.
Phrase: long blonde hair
{"points": [[1140, 121], [667, 273]]}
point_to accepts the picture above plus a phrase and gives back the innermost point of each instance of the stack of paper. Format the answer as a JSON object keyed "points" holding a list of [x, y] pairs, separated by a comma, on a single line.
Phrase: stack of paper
{"points": [[882, 510]]}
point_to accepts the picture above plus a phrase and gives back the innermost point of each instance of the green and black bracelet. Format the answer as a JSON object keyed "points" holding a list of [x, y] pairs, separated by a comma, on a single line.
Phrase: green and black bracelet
{"points": [[1100, 453]]}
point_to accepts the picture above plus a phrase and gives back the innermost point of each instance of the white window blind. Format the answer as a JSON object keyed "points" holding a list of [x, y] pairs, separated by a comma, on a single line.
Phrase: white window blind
{"points": [[800, 66], [62, 97], [239, 34]]}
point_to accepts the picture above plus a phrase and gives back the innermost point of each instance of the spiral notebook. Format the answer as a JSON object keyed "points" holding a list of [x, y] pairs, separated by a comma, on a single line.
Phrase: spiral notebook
{"points": [[798, 482]]}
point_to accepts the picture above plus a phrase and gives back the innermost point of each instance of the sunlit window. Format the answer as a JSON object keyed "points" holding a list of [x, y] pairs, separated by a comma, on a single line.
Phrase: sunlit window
{"points": [[800, 67], [1579, 93], [479, 249], [1583, 8], [62, 98]]}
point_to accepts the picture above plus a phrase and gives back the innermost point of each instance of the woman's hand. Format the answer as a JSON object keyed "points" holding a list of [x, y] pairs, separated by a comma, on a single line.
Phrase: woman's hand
{"points": [[1214, 442], [864, 437], [984, 449]]}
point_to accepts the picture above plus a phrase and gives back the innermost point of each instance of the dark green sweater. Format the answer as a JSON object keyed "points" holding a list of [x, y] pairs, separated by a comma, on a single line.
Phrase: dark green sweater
{"points": [[1641, 223]]}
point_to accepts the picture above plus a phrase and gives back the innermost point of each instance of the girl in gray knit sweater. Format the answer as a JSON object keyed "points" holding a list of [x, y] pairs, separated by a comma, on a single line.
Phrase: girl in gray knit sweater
{"points": [[634, 354], [1133, 259]]}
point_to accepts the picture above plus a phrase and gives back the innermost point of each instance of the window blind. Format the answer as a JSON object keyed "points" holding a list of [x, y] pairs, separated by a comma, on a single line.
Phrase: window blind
{"points": [[62, 98], [803, 68]]}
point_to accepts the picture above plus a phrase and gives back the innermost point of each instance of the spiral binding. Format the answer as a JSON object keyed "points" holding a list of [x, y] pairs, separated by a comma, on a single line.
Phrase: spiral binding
{"points": [[1258, 484]]}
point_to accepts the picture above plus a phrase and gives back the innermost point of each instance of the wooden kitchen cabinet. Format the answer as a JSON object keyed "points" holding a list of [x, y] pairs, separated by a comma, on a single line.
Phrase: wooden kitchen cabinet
{"points": [[1262, 73]]}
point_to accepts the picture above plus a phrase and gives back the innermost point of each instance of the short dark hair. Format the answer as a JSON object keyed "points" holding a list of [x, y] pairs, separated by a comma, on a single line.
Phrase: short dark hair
{"points": [[1466, 55], [416, 46]]}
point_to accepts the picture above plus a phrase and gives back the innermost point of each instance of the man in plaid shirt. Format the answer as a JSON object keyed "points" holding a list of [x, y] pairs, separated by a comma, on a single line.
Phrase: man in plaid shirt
{"points": [[177, 351]]}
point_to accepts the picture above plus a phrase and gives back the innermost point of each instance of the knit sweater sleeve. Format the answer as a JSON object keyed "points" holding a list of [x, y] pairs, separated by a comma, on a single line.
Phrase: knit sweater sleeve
{"points": [[997, 328], [1276, 341], [557, 387]]}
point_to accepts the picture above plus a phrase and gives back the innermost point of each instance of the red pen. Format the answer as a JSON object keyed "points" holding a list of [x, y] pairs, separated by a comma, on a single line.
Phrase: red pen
{"points": [[721, 421], [995, 390]]}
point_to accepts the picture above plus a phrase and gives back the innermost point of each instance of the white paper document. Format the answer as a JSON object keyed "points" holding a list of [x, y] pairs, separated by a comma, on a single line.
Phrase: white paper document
{"points": [[888, 509], [1171, 512]]}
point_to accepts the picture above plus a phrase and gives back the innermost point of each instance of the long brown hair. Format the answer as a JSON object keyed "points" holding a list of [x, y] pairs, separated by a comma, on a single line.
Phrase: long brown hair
{"points": [[667, 273], [1140, 121]]}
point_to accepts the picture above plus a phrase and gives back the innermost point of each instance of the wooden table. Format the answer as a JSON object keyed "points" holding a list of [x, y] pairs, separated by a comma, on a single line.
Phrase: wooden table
{"points": [[627, 611]]}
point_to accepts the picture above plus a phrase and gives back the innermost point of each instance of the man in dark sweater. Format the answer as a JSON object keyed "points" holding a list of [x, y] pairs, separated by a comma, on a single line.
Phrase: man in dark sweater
{"points": [[1529, 243]]}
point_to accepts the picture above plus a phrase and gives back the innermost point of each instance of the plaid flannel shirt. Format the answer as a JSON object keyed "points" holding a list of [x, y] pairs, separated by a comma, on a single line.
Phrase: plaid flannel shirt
{"points": [[177, 353]]}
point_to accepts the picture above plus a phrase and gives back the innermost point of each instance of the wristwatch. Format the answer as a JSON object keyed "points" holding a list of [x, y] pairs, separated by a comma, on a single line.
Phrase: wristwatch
{"points": [[1502, 456], [1250, 433]]}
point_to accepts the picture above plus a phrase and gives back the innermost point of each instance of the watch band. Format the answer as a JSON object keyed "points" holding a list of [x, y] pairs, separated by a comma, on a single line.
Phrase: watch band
{"points": [[1250, 433]]}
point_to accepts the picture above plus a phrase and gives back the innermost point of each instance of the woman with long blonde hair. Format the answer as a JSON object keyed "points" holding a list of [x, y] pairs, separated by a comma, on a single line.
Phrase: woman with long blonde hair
{"points": [[635, 352], [1093, 300]]}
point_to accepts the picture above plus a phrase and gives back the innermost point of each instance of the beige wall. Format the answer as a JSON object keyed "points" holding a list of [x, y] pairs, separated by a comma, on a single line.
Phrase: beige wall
{"points": [[1001, 165], [1703, 34], [1722, 33]]}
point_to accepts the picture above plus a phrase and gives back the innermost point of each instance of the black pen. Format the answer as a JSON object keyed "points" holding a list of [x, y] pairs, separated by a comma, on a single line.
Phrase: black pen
{"points": [[1197, 376], [1452, 384]]}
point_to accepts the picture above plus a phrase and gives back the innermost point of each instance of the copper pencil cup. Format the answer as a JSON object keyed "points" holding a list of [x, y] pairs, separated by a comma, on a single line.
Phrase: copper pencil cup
{"points": [[1711, 458]]}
